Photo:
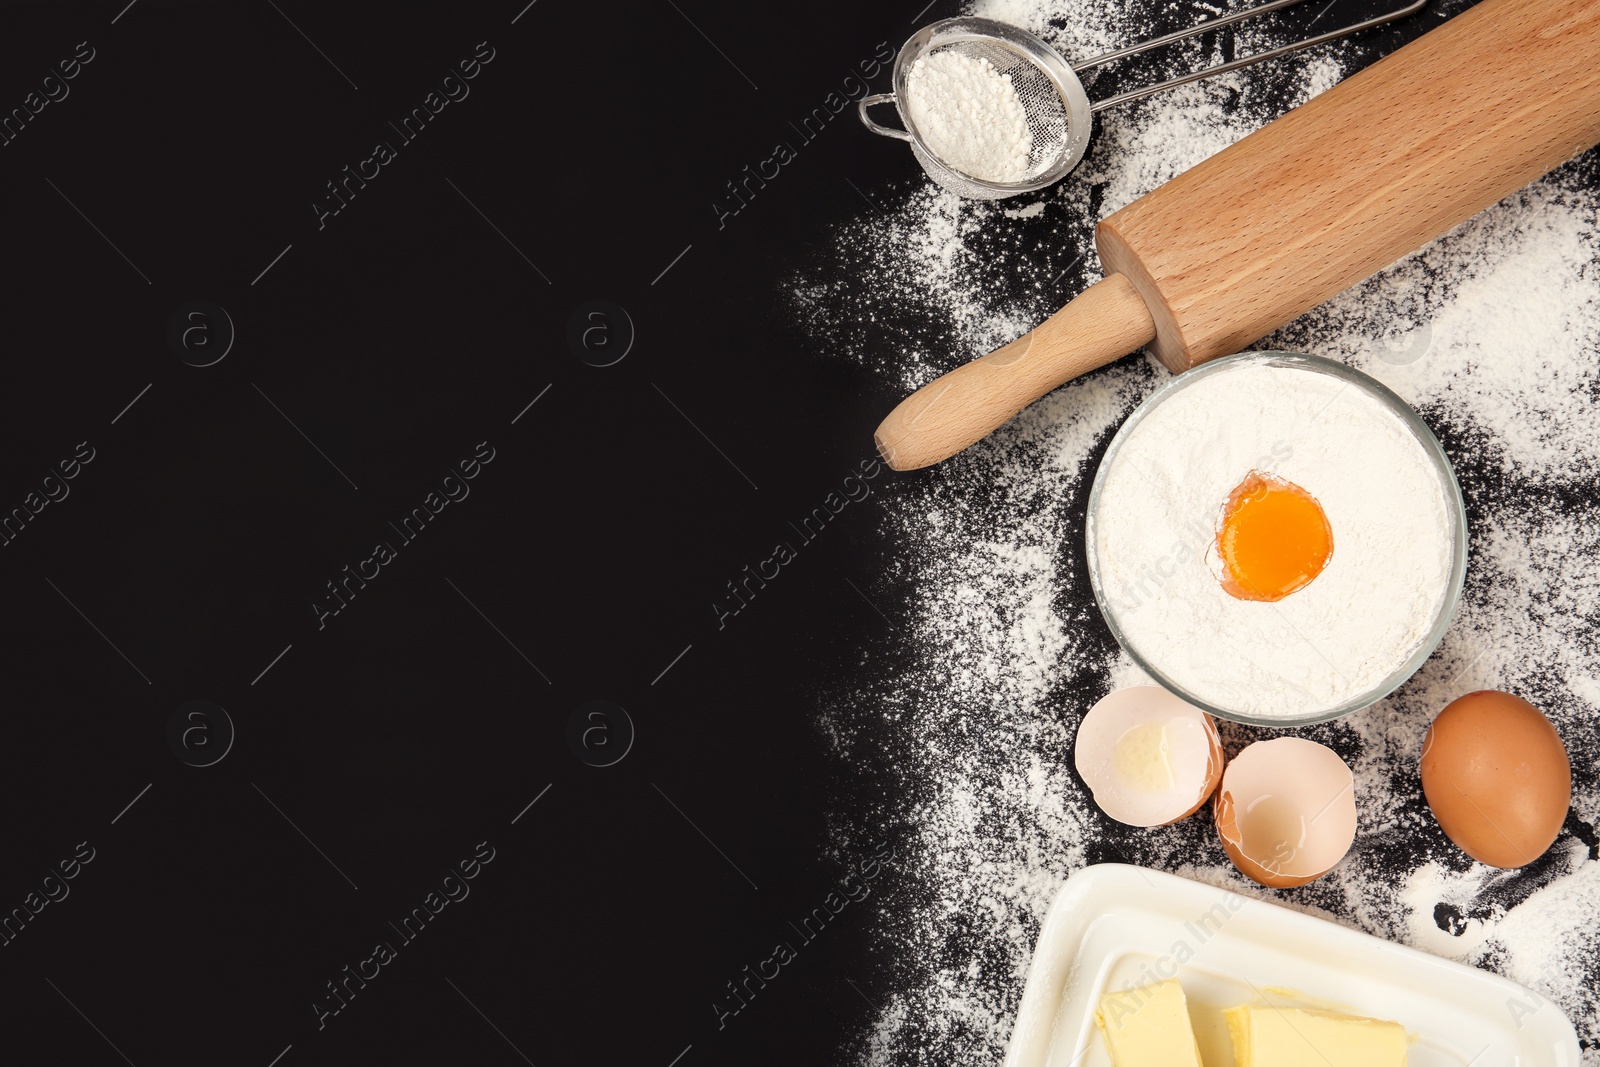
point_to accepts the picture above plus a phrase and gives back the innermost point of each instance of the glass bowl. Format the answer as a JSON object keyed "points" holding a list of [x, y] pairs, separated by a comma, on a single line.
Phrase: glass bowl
{"points": [[1454, 508]]}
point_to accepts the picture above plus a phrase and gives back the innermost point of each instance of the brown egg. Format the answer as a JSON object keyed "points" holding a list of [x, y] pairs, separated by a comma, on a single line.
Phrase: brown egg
{"points": [[1497, 778]]}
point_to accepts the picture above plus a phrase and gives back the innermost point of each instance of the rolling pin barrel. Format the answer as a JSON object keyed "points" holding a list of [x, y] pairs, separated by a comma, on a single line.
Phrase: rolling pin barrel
{"points": [[1305, 207], [1353, 180]]}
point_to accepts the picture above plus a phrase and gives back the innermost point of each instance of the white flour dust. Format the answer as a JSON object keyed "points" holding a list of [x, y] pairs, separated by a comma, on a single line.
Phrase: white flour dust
{"points": [[970, 115], [966, 724]]}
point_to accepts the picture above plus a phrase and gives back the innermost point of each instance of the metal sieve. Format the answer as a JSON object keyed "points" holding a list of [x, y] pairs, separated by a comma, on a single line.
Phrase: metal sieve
{"points": [[1057, 108]]}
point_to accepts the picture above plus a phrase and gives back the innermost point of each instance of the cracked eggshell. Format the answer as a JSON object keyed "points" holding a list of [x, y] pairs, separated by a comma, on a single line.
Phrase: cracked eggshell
{"points": [[1286, 811], [1149, 757]]}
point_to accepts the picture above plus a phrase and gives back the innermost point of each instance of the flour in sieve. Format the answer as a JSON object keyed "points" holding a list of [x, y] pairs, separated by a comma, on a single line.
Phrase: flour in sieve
{"points": [[1348, 630], [970, 115]]}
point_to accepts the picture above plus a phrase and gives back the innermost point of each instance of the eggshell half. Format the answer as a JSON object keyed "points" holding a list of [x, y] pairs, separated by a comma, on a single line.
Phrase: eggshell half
{"points": [[1497, 778], [1190, 756], [1286, 811]]}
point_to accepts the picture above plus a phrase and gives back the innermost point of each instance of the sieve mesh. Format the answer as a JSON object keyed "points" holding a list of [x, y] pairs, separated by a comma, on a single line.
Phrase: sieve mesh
{"points": [[1041, 102], [1053, 102]]}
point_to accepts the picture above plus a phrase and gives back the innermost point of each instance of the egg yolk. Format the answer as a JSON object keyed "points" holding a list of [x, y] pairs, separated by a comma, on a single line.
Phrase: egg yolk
{"points": [[1273, 539]]}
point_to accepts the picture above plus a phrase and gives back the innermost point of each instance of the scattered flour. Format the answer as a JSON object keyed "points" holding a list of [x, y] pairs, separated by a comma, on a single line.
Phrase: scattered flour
{"points": [[1492, 333], [970, 115]]}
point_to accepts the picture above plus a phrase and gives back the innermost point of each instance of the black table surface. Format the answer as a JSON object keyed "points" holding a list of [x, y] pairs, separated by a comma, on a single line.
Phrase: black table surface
{"points": [[535, 328]]}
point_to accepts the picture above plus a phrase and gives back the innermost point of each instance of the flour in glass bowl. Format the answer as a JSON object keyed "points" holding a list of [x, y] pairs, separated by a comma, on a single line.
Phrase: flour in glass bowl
{"points": [[1347, 631], [956, 732]]}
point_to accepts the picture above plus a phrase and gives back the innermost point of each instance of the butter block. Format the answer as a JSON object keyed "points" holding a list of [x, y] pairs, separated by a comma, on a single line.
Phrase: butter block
{"points": [[1265, 1036], [1148, 1027]]}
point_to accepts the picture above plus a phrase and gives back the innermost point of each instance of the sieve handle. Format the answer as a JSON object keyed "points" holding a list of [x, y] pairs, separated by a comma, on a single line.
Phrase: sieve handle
{"points": [[866, 120], [1211, 25]]}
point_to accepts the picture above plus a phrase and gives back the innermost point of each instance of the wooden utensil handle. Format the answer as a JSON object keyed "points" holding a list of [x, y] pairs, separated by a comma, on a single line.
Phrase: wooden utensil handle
{"points": [[1107, 320]]}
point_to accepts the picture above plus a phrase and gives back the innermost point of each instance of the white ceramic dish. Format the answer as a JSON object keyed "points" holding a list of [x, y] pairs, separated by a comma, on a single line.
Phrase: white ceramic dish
{"points": [[1114, 925]]}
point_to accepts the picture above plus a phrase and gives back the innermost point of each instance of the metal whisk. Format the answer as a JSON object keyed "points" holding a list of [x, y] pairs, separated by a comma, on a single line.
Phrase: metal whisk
{"points": [[1057, 109]]}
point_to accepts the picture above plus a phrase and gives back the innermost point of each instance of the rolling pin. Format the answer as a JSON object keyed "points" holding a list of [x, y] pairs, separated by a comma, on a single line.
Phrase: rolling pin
{"points": [[1303, 208]]}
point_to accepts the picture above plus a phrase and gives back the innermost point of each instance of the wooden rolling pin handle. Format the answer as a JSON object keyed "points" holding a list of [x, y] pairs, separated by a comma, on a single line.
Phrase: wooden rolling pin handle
{"points": [[1107, 320]]}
